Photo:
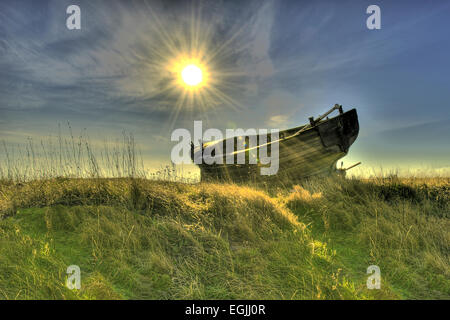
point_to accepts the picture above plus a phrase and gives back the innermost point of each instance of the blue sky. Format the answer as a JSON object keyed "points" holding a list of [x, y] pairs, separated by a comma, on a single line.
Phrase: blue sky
{"points": [[283, 61]]}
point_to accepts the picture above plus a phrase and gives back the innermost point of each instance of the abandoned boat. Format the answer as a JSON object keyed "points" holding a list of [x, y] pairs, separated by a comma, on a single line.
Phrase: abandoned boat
{"points": [[309, 150]]}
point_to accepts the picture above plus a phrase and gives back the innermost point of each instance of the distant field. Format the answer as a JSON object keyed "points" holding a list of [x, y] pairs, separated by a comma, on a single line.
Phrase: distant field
{"points": [[141, 239]]}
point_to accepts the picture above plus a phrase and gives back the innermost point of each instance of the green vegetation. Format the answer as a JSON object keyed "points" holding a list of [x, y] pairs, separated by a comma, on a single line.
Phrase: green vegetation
{"points": [[142, 239]]}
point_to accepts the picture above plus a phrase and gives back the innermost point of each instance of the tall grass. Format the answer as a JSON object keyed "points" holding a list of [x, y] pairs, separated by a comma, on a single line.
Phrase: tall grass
{"points": [[401, 225], [67, 201], [146, 239], [69, 156], [135, 238]]}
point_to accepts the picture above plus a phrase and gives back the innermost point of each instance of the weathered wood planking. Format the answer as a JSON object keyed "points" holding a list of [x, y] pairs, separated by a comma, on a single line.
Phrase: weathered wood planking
{"points": [[304, 151]]}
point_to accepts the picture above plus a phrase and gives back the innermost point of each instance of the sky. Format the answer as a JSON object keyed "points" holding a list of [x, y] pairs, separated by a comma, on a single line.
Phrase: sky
{"points": [[269, 64]]}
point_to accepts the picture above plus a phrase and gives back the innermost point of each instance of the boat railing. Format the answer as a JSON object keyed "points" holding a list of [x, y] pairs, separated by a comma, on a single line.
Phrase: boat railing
{"points": [[313, 122]]}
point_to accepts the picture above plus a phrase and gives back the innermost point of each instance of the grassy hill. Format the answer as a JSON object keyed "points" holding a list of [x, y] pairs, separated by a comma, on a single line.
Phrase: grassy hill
{"points": [[140, 239]]}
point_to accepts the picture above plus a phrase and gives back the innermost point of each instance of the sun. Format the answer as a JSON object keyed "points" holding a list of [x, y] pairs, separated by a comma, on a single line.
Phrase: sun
{"points": [[189, 71], [192, 75]]}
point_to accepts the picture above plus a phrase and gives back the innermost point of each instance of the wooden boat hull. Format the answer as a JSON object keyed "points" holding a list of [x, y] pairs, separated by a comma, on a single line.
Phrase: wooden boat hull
{"points": [[314, 151]]}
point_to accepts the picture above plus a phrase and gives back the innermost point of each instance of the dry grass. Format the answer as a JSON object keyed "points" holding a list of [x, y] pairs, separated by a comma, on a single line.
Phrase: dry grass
{"points": [[135, 238], [145, 239]]}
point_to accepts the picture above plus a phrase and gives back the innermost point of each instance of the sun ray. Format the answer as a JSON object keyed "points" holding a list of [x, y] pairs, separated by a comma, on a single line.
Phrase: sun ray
{"points": [[190, 73]]}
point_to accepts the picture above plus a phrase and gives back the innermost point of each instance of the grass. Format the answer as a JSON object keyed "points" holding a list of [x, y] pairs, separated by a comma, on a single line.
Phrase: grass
{"points": [[142, 239], [64, 202]]}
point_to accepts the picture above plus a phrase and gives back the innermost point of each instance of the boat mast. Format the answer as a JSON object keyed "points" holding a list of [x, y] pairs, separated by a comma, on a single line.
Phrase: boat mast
{"points": [[313, 122]]}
